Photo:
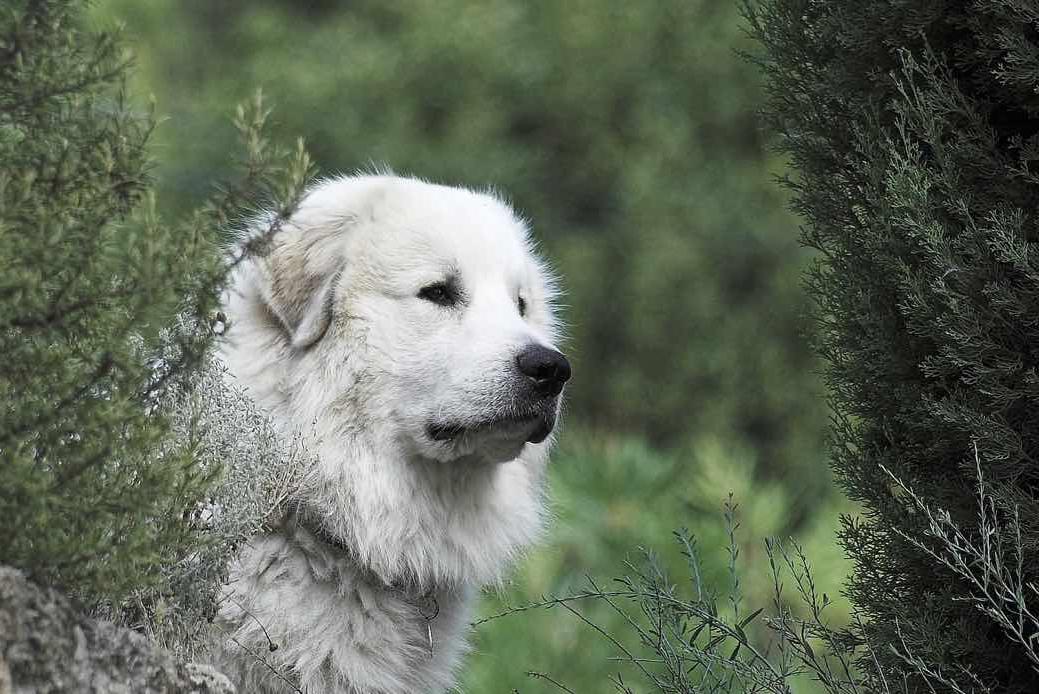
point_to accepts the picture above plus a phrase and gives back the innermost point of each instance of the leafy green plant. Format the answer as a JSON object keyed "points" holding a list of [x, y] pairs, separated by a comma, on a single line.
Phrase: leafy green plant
{"points": [[684, 637], [680, 637], [105, 310], [913, 130], [611, 495]]}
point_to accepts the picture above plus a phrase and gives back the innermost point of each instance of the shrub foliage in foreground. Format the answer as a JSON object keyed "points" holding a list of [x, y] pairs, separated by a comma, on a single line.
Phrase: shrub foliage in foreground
{"points": [[914, 132], [102, 309], [680, 637]]}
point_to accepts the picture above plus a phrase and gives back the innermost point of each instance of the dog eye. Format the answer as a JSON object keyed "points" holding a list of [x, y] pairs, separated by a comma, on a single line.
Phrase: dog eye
{"points": [[521, 304], [441, 293]]}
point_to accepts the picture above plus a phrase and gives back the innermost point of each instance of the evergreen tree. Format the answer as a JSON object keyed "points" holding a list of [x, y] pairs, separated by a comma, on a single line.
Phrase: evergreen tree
{"points": [[102, 309], [913, 129]]}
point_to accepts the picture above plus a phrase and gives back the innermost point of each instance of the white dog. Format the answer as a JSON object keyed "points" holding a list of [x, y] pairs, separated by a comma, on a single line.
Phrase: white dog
{"points": [[406, 330]]}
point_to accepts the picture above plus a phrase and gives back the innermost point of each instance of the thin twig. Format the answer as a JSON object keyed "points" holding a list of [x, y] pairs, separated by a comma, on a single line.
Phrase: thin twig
{"points": [[543, 676]]}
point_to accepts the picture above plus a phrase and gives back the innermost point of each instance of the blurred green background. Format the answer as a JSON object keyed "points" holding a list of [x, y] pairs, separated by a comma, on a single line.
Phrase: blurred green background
{"points": [[627, 133]]}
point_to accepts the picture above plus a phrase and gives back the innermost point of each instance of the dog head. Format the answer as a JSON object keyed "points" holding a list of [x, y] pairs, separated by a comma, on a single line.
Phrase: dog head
{"points": [[417, 309]]}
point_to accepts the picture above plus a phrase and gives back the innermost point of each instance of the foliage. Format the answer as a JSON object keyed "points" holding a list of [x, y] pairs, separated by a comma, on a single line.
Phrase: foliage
{"points": [[260, 471], [639, 160], [612, 497], [680, 638], [914, 131], [83, 291], [103, 310], [684, 638]]}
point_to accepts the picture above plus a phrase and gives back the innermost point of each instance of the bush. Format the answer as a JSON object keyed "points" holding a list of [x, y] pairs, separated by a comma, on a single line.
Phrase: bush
{"points": [[260, 472], [680, 637], [914, 133], [602, 526], [104, 311], [85, 289]]}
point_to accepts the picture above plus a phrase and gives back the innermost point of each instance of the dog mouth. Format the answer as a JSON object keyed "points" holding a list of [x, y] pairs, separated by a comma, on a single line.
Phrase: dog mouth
{"points": [[535, 427]]}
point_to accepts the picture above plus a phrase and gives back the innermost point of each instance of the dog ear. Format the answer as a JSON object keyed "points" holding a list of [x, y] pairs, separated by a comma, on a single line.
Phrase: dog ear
{"points": [[304, 313], [295, 278], [298, 286]]}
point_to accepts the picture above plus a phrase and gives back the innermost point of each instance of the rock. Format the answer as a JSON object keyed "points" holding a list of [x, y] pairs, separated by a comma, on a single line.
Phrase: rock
{"points": [[47, 646]]}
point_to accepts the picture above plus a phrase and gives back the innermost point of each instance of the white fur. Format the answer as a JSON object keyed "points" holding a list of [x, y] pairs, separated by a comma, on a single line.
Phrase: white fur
{"points": [[330, 336]]}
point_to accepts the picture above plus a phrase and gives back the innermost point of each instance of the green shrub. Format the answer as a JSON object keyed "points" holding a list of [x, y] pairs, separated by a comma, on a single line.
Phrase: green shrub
{"points": [[83, 292], [103, 309], [615, 500], [694, 629], [914, 133]]}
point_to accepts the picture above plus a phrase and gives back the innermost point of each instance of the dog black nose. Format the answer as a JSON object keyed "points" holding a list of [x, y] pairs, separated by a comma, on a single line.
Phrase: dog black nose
{"points": [[547, 368]]}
